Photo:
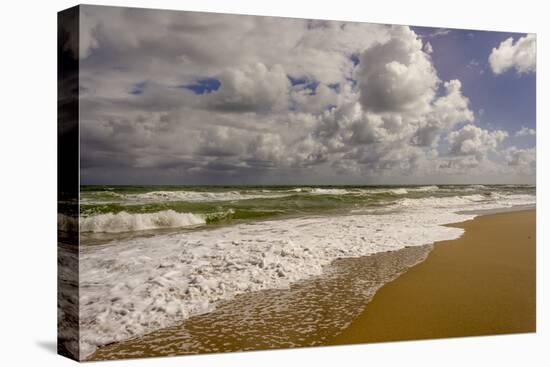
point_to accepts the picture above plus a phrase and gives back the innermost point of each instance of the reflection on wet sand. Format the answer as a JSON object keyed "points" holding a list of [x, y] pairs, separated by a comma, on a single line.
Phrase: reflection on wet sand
{"points": [[308, 313]]}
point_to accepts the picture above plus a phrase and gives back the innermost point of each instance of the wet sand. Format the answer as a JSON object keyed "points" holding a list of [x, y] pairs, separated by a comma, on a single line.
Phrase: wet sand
{"points": [[481, 284], [308, 313]]}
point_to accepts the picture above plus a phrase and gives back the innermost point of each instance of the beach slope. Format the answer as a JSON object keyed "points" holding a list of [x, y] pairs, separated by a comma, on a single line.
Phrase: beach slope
{"points": [[480, 284]]}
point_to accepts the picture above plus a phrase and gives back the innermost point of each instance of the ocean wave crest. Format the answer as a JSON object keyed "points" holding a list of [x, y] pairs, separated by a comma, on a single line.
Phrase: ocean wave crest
{"points": [[201, 196], [322, 191], [126, 222], [425, 188], [67, 223]]}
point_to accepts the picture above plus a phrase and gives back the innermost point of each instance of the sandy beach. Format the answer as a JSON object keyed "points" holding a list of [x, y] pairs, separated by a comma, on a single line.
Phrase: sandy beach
{"points": [[483, 283]]}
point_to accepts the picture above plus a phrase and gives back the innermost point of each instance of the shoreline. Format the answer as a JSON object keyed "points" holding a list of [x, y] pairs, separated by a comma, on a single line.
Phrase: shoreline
{"points": [[161, 342], [483, 283]]}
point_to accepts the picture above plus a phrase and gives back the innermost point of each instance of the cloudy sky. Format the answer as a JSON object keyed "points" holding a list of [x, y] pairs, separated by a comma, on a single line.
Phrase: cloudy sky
{"points": [[195, 98]]}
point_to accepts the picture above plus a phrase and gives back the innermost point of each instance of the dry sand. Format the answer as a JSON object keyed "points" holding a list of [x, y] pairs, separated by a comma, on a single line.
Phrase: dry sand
{"points": [[481, 284]]}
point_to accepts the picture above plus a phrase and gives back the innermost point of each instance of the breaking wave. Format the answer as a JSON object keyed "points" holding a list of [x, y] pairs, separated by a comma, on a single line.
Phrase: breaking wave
{"points": [[126, 222]]}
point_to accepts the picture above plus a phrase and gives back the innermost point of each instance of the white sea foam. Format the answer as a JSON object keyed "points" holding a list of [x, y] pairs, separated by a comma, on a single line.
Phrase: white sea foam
{"points": [[202, 196], [400, 191], [188, 196], [298, 189], [135, 286], [126, 222], [476, 186], [471, 188], [424, 188], [322, 191], [67, 223], [396, 191]]}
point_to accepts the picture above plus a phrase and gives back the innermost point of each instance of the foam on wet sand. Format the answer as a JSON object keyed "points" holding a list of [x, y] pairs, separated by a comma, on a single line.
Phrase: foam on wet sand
{"points": [[133, 287]]}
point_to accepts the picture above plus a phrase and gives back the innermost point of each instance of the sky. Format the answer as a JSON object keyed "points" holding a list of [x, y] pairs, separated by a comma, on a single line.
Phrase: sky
{"points": [[173, 97]]}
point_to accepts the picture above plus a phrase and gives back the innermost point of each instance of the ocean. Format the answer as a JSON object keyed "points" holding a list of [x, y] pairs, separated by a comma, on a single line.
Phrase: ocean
{"points": [[152, 256], [123, 209]]}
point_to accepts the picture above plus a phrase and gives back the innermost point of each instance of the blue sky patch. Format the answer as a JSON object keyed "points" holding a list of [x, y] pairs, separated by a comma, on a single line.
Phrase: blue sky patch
{"points": [[305, 83], [505, 101], [205, 85], [355, 59]]}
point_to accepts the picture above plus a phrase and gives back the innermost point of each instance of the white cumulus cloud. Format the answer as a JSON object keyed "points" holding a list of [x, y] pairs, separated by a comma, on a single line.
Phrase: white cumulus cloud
{"points": [[475, 141], [282, 100], [397, 75], [525, 131], [521, 160], [519, 55]]}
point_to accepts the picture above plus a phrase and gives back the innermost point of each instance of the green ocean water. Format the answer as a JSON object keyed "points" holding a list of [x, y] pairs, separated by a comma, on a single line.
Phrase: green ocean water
{"points": [[225, 204]]}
